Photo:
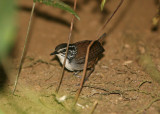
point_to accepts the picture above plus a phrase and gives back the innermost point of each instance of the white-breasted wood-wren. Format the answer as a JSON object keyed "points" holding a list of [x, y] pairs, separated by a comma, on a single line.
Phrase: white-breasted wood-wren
{"points": [[77, 52]]}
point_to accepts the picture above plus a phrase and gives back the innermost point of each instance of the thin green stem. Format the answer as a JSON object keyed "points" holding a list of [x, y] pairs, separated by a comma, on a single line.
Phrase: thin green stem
{"points": [[24, 48]]}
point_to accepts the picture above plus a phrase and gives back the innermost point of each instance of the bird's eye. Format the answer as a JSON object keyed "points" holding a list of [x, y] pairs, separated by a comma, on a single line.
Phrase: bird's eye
{"points": [[63, 51]]}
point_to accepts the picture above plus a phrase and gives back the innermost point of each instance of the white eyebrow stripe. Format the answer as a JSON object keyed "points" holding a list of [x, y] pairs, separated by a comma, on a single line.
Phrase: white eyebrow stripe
{"points": [[61, 49]]}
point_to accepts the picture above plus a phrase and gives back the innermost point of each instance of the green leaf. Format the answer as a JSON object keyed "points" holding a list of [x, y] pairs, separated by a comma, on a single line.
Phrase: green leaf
{"points": [[7, 26], [102, 4], [59, 4]]}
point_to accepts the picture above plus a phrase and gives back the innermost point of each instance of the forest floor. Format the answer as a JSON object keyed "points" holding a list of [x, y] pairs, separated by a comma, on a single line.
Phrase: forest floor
{"points": [[122, 83]]}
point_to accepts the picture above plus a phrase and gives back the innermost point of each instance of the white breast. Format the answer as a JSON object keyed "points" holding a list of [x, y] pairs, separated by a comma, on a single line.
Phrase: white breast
{"points": [[67, 65]]}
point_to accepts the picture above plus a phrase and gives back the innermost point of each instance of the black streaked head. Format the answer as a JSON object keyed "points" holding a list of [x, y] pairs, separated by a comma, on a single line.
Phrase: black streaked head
{"points": [[61, 49]]}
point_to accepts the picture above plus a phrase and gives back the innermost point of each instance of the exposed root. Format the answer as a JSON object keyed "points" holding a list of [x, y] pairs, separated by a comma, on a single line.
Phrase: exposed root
{"points": [[144, 83], [119, 92], [148, 106]]}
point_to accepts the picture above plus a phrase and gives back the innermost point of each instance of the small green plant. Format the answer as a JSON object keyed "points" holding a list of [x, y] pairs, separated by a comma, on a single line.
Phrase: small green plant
{"points": [[59, 4], [102, 4]]}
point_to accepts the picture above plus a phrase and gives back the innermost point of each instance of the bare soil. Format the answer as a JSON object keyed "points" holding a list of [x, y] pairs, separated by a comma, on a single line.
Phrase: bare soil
{"points": [[120, 84]]}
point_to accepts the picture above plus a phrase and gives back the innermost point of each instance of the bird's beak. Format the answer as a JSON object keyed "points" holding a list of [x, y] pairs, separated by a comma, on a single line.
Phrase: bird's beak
{"points": [[55, 52]]}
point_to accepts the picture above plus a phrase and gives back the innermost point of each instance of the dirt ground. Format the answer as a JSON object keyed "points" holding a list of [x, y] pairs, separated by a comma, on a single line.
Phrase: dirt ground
{"points": [[120, 83]]}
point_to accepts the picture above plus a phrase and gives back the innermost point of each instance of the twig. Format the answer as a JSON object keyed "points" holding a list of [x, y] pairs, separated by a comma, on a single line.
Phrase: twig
{"points": [[108, 20], [87, 54], [94, 107], [71, 28], [24, 48], [84, 73]]}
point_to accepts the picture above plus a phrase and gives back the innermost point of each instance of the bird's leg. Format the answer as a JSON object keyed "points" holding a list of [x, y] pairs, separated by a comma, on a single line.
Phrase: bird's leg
{"points": [[89, 73], [76, 74]]}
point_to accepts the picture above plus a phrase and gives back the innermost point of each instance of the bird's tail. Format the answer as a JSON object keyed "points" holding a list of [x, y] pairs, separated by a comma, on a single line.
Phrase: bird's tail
{"points": [[101, 38]]}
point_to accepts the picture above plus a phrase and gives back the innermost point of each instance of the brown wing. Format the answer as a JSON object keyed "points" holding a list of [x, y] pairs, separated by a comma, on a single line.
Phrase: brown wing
{"points": [[94, 53]]}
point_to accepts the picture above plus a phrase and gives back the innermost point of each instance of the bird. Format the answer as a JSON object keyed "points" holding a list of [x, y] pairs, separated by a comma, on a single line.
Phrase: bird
{"points": [[77, 53]]}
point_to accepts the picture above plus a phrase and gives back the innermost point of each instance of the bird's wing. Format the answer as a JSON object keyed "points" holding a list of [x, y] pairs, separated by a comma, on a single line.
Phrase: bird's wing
{"points": [[95, 50]]}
